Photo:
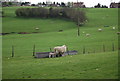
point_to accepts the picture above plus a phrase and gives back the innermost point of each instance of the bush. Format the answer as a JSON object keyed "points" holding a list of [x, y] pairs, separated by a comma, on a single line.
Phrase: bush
{"points": [[32, 12], [69, 13]]}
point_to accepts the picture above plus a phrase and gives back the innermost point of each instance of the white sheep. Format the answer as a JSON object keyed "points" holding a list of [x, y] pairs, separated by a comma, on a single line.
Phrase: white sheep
{"points": [[52, 54], [87, 34], [83, 32], [60, 50], [37, 28], [99, 29], [113, 28]]}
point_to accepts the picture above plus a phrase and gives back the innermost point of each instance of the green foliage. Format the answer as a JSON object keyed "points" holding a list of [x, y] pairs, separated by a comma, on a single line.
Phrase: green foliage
{"points": [[10, 3], [52, 13], [32, 12]]}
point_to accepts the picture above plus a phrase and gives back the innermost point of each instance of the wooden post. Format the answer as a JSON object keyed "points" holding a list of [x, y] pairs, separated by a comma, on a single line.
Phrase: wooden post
{"points": [[83, 50], [50, 50], [103, 48], [12, 51], [67, 51], [113, 48], [78, 30], [34, 50], [78, 20], [78, 26]]}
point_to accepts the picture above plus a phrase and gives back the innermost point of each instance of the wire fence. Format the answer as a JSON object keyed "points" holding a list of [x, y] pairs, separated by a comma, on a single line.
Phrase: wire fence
{"points": [[83, 50]]}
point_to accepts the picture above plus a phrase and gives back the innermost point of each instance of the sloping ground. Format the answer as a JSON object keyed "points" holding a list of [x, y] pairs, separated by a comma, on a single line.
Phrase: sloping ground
{"points": [[29, 24], [96, 18], [80, 66], [93, 66]]}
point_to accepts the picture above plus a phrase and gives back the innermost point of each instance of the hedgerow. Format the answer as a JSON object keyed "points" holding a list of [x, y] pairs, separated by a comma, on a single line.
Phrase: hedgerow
{"points": [[77, 16]]}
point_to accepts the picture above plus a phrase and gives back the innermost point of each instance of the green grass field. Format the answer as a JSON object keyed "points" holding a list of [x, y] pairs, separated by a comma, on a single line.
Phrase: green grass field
{"points": [[95, 64]]}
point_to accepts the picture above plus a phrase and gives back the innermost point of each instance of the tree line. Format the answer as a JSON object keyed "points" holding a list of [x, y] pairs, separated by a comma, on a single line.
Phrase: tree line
{"points": [[69, 13]]}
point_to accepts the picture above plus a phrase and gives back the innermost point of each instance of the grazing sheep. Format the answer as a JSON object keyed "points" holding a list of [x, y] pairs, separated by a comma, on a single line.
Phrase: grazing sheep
{"points": [[52, 54], [59, 50], [113, 28], [83, 32], [99, 29], [87, 34], [37, 28]]}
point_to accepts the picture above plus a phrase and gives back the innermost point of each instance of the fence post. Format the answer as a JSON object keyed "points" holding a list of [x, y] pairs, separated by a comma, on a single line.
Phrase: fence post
{"points": [[12, 51], [113, 48], [50, 50], [83, 50], [103, 48], [67, 51], [34, 50]]}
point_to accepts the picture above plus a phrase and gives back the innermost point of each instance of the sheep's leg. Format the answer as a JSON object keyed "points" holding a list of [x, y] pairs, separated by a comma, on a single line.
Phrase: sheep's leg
{"points": [[52, 56], [49, 56]]}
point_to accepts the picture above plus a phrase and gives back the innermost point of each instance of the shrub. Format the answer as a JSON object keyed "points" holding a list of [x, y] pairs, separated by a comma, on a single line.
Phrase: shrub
{"points": [[77, 16]]}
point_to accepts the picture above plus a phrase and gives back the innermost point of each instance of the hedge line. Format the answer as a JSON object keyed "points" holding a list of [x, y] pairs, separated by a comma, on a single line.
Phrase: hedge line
{"points": [[69, 13]]}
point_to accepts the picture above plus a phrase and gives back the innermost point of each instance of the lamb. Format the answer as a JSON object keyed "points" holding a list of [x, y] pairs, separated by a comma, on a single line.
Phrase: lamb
{"points": [[52, 54]]}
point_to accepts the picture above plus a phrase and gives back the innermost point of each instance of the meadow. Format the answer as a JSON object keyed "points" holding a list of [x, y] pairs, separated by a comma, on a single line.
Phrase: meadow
{"points": [[94, 64]]}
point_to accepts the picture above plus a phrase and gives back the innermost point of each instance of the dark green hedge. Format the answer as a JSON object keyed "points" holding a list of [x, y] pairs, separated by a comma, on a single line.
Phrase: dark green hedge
{"points": [[69, 13]]}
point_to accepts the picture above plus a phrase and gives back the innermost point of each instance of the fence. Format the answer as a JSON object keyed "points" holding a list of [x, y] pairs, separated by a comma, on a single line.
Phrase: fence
{"points": [[83, 50]]}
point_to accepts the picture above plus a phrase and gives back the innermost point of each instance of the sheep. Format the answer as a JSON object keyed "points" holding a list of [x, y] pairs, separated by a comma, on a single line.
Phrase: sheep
{"points": [[113, 28], [99, 29], [83, 32], [59, 50], [52, 54], [87, 34], [37, 28]]}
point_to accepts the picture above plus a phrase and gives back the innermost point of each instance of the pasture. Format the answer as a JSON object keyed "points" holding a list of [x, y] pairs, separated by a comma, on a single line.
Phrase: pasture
{"points": [[94, 64]]}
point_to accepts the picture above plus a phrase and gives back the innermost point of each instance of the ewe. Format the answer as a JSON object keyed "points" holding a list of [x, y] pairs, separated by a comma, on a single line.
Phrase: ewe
{"points": [[37, 28], [60, 50], [87, 34], [83, 32], [99, 29], [113, 28]]}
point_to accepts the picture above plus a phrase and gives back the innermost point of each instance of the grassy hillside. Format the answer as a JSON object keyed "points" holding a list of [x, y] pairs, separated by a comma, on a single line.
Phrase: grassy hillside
{"points": [[98, 63], [96, 18], [29, 24], [85, 66]]}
